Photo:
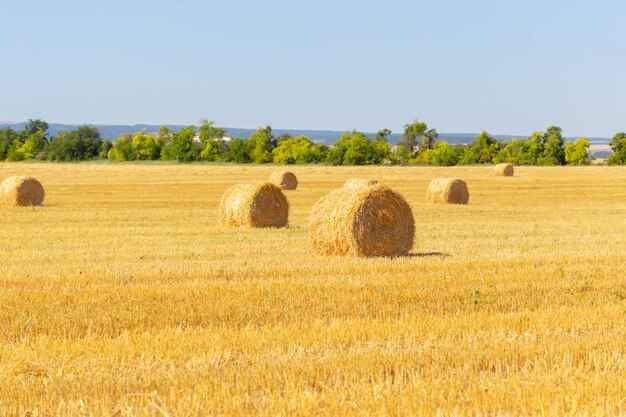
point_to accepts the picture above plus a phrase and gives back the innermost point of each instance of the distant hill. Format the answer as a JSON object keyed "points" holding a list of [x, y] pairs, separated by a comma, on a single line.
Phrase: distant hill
{"points": [[320, 136]]}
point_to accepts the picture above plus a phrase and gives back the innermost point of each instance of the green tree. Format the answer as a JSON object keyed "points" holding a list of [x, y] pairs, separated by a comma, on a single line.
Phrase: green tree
{"points": [[382, 150], [239, 150], [165, 132], [355, 148], [428, 139], [338, 150], [401, 155], [76, 145], [13, 153], [32, 137], [383, 134], [28, 148], [263, 146], [32, 145], [213, 147], [483, 150], [298, 150], [123, 149], [182, 144], [535, 150], [445, 155], [516, 152], [530, 151], [412, 132], [554, 147], [422, 157], [213, 150], [179, 146], [618, 145], [105, 147], [145, 147], [284, 136], [7, 137], [359, 150], [33, 126], [576, 152], [208, 131]]}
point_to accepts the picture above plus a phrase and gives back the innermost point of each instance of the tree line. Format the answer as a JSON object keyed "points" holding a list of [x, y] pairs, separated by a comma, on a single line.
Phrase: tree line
{"points": [[419, 145]]}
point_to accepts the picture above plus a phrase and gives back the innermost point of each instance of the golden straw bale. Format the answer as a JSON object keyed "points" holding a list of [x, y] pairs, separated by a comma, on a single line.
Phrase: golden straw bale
{"points": [[448, 191], [504, 170], [21, 191], [284, 179], [357, 183], [366, 221], [254, 205]]}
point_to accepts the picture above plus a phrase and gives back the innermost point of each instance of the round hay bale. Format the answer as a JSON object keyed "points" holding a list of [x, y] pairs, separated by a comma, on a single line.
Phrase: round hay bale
{"points": [[357, 183], [284, 179], [448, 191], [504, 170], [254, 205], [367, 221], [21, 191]]}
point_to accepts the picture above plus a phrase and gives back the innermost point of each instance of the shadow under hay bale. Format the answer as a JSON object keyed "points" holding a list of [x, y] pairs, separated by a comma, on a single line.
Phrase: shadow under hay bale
{"points": [[448, 191], [504, 170], [367, 221], [285, 180], [21, 191], [428, 255], [254, 205]]}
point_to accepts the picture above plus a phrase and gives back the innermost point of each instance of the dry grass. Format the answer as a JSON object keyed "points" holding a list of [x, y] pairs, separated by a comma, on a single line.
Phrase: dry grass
{"points": [[132, 300]]}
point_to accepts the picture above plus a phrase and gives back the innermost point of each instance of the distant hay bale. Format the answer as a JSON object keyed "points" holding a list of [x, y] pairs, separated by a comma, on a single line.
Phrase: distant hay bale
{"points": [[357, 183], [504, 170], [366, 221], [254, 205], [284, 179], [448, 191], [21, 191]]}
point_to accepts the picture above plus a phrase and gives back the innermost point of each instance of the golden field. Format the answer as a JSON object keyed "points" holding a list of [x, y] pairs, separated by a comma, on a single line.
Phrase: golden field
{"points": [[122, 296]]}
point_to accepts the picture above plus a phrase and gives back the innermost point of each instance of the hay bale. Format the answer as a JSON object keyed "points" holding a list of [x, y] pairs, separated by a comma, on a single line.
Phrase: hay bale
{"points": [[366, 221], [254, 205], [448, 191], [504, 170], [284, 179], [21, 191], [357, 183]]}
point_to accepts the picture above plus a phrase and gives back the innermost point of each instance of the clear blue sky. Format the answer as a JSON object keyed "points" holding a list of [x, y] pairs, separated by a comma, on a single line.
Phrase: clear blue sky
{"points": [[461, 66]]}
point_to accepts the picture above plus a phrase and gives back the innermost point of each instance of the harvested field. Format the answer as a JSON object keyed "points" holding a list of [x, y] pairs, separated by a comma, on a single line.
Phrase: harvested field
{"points": [[123, 295]]}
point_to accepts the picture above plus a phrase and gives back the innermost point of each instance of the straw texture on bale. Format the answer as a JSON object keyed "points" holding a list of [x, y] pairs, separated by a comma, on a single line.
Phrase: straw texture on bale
{"points": [[285, 180], [448, 191], [357, 183], [367, 221], [254, 205], [504, 170], [21, 191]]}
